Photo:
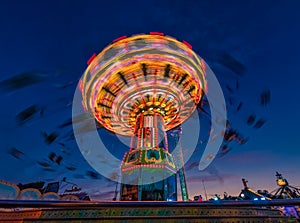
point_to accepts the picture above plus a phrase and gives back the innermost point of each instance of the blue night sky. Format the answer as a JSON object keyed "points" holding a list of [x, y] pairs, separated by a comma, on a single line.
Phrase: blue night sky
{"points": [[52, 40]]}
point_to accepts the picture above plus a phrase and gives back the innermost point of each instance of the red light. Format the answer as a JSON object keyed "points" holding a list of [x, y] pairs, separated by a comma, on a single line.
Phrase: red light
{"points": [[117, 39], [187, 44], [203, 65], [157, 33], [91, 59], [80, 85]]}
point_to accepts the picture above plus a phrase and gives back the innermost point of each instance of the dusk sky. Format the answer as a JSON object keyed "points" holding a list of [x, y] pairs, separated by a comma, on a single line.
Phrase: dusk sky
{"points": [[251, 46]]}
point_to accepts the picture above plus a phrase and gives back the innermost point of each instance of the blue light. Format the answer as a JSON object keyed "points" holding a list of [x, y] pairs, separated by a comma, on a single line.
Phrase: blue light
{"points": [[255, 199], [263, 198], [215, 198]]}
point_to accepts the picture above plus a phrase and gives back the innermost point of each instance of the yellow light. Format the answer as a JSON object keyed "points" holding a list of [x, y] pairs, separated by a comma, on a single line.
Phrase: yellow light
{"points": [[281, 182]]}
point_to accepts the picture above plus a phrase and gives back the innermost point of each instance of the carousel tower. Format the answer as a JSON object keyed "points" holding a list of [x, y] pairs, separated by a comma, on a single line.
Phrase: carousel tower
{"points": [[142, 86]]}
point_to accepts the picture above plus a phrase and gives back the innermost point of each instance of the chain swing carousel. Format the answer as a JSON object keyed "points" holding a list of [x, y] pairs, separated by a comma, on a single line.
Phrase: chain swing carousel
{"points": [[143, 86]]}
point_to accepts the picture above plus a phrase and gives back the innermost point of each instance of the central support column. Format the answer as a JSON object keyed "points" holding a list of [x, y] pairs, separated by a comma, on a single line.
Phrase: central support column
{"points": [[149, 133], [148, 169]]}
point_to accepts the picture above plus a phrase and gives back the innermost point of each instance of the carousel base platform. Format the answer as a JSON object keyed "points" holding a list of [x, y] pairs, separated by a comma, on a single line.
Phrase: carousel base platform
{"points": [[77, 212]]}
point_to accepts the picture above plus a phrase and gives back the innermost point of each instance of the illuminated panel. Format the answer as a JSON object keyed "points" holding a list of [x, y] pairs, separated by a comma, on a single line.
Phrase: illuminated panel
{"points": [[133, 157], [30, 194], [69, 197], [149, 132], [8, 191], [50, 196], [149, 166]]}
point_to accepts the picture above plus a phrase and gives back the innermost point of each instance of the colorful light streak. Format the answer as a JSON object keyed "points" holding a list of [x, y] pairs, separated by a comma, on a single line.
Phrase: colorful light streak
{"points": [[143, 73]]}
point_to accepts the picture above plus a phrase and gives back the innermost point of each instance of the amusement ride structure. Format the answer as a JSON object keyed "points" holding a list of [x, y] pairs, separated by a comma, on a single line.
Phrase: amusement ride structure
{"points": [[285, 190], [143, 86]]}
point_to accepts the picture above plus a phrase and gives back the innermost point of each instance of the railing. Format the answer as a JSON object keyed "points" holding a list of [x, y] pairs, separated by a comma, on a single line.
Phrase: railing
{"points": [[98, 204]]}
